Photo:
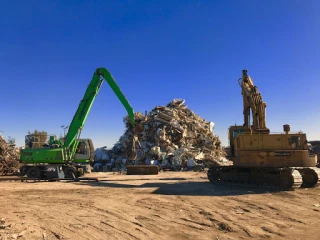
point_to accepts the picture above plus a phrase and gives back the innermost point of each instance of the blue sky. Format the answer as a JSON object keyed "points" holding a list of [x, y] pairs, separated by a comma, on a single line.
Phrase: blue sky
{"points": [[157, 51]]}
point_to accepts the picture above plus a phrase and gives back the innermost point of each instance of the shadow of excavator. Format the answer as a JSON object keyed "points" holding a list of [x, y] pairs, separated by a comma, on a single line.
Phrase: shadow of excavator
{"points": [[180, 186]]}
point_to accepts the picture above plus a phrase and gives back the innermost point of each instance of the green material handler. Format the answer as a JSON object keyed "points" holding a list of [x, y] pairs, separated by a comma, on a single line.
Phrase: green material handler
{"points": [[53, 158]]}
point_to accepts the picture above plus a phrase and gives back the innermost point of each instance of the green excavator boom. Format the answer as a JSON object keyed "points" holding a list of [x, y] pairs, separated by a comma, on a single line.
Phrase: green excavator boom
{"points": [[65, 151], [85, 105]]}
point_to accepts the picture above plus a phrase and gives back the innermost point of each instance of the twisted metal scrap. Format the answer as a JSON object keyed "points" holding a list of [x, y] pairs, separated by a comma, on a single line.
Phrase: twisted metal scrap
{"points": [[174, 128], [9, 158]]}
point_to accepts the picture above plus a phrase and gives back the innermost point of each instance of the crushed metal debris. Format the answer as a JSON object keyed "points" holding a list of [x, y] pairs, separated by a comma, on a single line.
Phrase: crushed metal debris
{"points": [[170, 136], [9, 158]]}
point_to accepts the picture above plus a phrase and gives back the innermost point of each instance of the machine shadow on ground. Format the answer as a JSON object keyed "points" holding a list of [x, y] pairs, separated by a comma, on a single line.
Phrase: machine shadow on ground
{"points": [[190, 188], [143, 179]]}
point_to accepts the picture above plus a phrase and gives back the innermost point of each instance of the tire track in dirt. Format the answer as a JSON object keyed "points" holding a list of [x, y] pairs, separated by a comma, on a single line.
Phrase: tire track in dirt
{"points": [[97, 212], [228, 212], [192, 221], [110, 211], [52, 222]]}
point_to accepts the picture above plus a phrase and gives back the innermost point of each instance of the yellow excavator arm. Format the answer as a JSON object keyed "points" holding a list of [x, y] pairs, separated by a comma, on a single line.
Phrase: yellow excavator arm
{"points": [[253, 103]]}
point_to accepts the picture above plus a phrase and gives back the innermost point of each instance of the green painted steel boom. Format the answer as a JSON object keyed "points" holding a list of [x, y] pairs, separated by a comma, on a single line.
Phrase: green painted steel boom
{"points": [[85, 105]]}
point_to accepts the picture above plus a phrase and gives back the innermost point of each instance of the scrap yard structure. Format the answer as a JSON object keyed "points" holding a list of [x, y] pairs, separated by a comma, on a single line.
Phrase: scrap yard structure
{"points": [[159, 120], [174, 137], [209, 192]]}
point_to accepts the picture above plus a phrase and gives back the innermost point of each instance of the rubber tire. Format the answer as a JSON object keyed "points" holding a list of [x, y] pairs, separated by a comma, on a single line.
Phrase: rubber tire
{"points": [[34, 172], [69, 172]]}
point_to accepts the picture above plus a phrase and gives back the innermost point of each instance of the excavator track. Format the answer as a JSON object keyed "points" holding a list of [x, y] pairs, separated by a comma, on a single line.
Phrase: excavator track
{"points": [[310, 176], [282, 178]]}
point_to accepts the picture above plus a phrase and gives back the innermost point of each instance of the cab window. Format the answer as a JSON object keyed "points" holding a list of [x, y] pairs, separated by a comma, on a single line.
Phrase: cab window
{"points": [[294, 142], [82, 148], [237, 131]]}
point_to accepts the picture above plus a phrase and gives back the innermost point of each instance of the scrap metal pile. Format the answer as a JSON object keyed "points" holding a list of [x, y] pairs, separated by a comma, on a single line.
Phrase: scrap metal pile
{"points": [[9, 158], [171, 135]]}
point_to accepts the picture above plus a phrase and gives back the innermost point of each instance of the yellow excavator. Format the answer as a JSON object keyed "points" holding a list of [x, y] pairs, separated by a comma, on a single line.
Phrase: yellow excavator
{"points": [[259, 157]]}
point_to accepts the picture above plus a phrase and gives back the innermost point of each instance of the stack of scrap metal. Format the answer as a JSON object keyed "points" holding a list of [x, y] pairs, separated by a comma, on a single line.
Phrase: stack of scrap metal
{"points": [[172, 136], [9, 158]]}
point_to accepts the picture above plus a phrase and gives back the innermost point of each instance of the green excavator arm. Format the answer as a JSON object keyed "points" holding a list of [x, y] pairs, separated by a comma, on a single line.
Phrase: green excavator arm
{"points": [[78, 121]]}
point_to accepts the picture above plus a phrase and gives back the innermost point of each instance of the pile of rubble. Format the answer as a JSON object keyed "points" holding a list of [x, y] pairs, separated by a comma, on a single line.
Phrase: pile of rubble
{"points": [[172, 136], [9, 158]]}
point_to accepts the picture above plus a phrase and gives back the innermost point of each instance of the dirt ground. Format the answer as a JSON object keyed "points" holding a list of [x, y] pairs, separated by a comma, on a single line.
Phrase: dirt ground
{"points": [[171, 205]]}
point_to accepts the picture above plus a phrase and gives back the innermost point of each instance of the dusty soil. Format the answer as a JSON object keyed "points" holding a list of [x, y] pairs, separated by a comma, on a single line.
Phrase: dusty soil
{"points": [[165, 206]]}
